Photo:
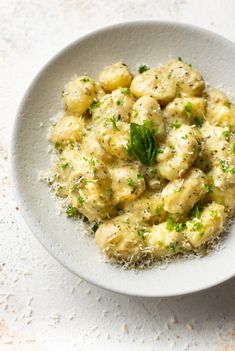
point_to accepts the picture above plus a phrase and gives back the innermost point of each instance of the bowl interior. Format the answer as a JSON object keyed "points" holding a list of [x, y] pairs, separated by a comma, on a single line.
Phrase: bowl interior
{"points": [[134, 43]]}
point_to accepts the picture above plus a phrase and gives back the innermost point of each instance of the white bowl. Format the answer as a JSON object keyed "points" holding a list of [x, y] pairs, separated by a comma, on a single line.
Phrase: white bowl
{"points": [[134, 43]]}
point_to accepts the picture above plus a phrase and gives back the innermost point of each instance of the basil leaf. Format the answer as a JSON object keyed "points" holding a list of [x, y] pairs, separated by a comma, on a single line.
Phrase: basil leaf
{"points": [[143, 143]]}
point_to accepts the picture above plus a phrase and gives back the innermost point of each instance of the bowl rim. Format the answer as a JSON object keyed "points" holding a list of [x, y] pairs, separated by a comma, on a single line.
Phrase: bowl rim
{"points": [[12, 149]]}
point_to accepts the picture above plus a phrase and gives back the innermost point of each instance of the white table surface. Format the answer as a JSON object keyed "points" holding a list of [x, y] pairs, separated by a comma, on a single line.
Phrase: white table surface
{"points": [[43, 307]]}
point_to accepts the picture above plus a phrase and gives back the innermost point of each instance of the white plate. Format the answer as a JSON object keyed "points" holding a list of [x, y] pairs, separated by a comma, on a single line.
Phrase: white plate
{"points": [[134, 43]]}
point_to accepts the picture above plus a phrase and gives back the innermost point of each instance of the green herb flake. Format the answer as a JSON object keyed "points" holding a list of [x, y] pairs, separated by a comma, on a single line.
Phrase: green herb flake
{"points": [[140, 176], [179, 227], [180, 59], [195, 225], [65, 165], [153, 171], [57, 146], [143, 68], [224, 165], [131, 183], [94, 105], [227, 132], [125, 91], [175, 124], [196, 212], [227, 104], [71, 211], [188, 109], [81, 200], [62, 93], [134, 113], [140, 233], [209, 188], [113, 120], [170, 223], [185, 137], [173, 245], [213, 213], [143, 143], [198, 121], [90, 161]]}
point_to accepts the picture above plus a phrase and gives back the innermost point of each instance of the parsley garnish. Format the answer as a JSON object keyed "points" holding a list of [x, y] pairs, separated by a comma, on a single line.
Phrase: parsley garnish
{"points": [[94, 105], [213, 213], [120, 102], [81, 200], [171, 225], [90, 161], [175, 124], [188, 109], [196, 212], [173, 245], [71, 211], [134, 113], [180, 59], [227, 132], [209, 188], [140, 233], [195, 225], [113, 120], [198, 121], [143, 68], [65, 165], [57, 146], [125, 91], [131, 183]]}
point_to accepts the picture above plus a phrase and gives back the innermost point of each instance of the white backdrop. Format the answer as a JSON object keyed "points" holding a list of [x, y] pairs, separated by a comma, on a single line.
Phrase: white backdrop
{"points": [[43, 307]]}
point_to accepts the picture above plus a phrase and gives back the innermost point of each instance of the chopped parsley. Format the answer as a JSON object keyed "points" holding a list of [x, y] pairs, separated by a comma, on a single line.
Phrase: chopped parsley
{"points": [[209, 188], [198, 121], [125, 91], [227, 104], [196, 211], [143, 68], [172, 225], [57, 146], [227, 132], [188, 109], [62, 93], [195, 225], [90, 161], [180, 59], [140, 176], [175, 124], [153, 170], [185, 137], [131, 183], [71, 211], [81, 200], [140, 233], [113, 120], [173, 245], [134, 113], [94, 105], [213, 213], [65, 165]]}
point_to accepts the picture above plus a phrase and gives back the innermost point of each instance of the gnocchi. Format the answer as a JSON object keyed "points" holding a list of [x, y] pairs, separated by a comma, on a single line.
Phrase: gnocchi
{"points": [[147, 159]]}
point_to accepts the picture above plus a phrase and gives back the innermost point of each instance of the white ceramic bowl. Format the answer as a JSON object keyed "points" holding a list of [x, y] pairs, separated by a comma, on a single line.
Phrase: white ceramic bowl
{"points": [[134, 43]]}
